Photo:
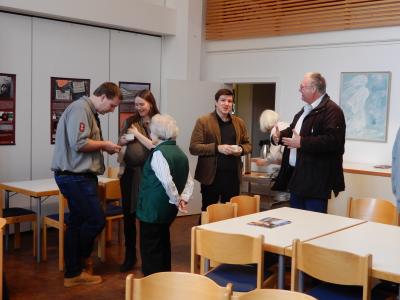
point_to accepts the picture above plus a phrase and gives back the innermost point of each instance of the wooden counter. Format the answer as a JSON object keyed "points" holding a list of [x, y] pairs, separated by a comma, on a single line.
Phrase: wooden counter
{"points": [[365, 169]]}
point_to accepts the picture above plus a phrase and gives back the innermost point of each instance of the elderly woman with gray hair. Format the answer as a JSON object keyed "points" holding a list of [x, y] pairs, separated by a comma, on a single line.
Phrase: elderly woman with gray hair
{"points": [[165, 189], [269, 121]]}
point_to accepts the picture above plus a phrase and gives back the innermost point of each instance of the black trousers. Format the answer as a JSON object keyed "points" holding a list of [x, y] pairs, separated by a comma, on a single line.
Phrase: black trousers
{"points": [[225, 185], [130, 237], [155, 248]]}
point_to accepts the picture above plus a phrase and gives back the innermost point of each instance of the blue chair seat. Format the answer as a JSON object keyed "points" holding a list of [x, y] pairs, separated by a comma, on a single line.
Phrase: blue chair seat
{"points": [[16, 211], [242, 277], [328, 291], [56, 217], [113, 210]]}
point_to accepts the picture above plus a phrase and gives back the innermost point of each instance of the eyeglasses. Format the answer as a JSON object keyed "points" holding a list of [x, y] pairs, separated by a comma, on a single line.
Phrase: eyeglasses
{"points": [[302, 87]]}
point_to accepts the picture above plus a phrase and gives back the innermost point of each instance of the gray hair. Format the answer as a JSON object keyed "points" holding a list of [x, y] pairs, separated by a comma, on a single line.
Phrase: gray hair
{"points": [[268, 120], [164, 127], [318, 81]]}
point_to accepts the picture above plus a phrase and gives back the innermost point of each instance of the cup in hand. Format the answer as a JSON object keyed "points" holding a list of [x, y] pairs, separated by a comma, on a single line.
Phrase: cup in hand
{"points": [[129, 137], [236, 148]]}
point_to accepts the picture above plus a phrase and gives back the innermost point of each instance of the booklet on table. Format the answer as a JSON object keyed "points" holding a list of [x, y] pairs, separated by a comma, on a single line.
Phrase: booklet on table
{"points": [[269, 222]]}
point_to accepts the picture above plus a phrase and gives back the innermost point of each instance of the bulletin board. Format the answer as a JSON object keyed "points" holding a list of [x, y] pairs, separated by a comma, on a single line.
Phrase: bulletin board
{"points": [[129, 91], [7, 109], [63, 92]]}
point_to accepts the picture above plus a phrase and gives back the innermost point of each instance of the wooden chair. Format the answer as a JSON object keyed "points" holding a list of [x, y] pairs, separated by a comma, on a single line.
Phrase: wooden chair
{"points": [[240, 258], [56, 221], [246, 204], [218, 212], [175, 286], [15, 216], [373, 209], [2, 225], [345, 274], [272, 294]]}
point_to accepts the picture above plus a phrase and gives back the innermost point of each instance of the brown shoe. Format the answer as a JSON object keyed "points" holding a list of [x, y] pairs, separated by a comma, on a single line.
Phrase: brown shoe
{"points": [[83, 279]]}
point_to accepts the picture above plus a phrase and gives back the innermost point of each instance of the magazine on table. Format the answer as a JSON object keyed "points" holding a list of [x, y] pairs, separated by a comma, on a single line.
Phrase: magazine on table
{"points": [[270, 222]]}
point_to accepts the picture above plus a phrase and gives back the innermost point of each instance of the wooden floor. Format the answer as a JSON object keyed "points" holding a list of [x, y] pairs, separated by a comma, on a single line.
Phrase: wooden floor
{"points": [[28, 280]]}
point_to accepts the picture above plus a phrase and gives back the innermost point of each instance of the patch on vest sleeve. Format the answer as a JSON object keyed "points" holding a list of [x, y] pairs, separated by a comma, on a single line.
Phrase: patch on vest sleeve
{"points": [[81, 127]]}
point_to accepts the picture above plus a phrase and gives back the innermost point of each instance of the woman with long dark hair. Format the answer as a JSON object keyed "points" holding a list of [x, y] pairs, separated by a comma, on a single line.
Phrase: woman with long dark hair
{"points": [[136, 153]]}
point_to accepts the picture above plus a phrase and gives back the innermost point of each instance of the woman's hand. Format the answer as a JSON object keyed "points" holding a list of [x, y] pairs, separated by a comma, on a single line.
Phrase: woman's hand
{"points": [[182, 206]]}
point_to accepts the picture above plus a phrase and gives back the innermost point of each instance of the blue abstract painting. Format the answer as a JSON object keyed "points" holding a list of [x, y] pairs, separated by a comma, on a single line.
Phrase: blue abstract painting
{"points": [[364, 98]]}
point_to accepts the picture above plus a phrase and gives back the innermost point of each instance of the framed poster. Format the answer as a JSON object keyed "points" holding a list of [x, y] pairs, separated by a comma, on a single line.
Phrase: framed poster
{"points": [[127, 106], [7, 109], [63, 91], [364, 98]]}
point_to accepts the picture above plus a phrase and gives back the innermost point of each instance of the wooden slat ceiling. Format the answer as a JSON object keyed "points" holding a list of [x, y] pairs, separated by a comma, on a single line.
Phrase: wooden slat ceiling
{"points": [[236, 19]]}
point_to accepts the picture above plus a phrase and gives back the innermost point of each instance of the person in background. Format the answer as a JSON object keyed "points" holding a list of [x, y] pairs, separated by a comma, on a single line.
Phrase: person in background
{"points": [[396, 169], [165, 188], [219, 139], [131, 165], [316, 140], [77, 160], [268, 120]]}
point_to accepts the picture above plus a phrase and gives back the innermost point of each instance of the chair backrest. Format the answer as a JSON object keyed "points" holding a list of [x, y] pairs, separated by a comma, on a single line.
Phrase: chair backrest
{"points": [[246, 204], [333, 266], [227, 248], [175, 286], [218, 212], [112, 172], [372, 209], [112, 191], [271, 294]]}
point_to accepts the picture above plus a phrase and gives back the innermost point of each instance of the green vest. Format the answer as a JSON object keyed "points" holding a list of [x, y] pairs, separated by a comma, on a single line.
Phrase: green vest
{"points": [[153, 205]]}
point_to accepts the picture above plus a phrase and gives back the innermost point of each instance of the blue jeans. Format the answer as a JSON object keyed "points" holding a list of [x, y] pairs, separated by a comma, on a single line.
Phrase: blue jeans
{"points": [[312, 204], [86, 219]]}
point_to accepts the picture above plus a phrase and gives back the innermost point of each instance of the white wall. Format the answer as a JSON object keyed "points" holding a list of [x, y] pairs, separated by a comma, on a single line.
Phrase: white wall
{"points": [[142, 16], [40, 49], [286, 59]]}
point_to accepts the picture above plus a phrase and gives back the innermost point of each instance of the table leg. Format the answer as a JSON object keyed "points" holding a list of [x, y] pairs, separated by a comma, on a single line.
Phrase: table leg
{"points": [[301, 282], [6, 230], [281, 272], [38, 228]]}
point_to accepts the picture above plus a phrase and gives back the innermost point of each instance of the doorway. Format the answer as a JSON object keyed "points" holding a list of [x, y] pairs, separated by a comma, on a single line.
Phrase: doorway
{"points": [[251, 100]]}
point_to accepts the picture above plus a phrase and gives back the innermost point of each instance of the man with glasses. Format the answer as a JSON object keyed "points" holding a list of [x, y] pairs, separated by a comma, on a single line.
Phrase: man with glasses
{"points": [[316, 140]]}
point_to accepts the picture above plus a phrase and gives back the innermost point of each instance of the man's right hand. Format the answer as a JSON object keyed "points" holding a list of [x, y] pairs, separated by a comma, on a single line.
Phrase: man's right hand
{"points": [[110, 147], [225, 149]]}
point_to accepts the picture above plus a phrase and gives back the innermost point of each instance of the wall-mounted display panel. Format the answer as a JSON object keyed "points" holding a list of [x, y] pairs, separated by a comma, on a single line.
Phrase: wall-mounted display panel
{"points": [[129, 91], [63, 92], [7, 109]]}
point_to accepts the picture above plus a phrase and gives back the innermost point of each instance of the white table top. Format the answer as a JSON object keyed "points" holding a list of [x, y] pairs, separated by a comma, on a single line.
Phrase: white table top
{"points": [[380, 240], [365, 169], [39, 187], [305, 225]]}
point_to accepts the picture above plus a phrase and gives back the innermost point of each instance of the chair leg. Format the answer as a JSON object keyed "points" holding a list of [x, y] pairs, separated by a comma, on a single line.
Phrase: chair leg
{"points": [[61, 232], [44, 242], [109, 228], [17, 236], [101, 246]]}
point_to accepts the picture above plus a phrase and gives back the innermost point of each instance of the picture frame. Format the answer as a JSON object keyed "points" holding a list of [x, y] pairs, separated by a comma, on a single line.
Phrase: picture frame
{"points": [[364, 98], [63, 91], [7, 108], [129, 90]]}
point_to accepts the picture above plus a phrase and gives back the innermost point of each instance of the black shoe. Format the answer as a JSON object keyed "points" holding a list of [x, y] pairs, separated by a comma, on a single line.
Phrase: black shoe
{"points": [[127, 265]]}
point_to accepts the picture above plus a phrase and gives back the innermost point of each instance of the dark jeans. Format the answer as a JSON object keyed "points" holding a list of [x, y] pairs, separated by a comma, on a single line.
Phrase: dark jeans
{"points": [[312, 204], [155, 248], [86, 219], [225, 185]]}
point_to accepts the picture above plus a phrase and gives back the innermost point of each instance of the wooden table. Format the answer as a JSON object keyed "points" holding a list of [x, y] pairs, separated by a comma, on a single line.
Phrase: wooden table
{"points": [[305, 225], [36, 189], [380, 240], [257, 177]]}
